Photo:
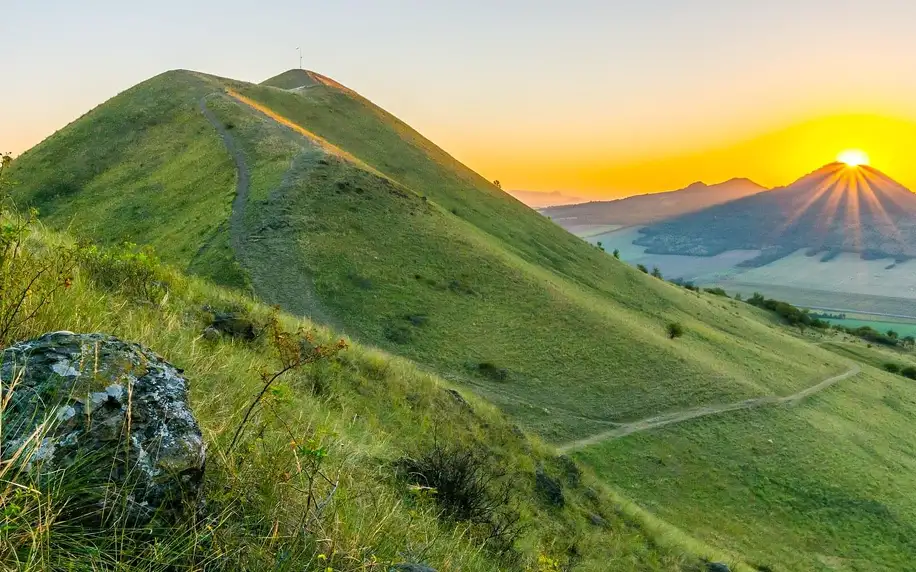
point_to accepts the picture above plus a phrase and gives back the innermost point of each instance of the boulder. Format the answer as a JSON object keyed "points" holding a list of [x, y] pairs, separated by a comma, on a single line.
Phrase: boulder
{"points": [[109, 414]]}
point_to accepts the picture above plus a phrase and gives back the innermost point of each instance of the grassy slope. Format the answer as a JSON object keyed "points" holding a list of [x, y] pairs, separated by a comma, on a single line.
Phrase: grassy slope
{"points": [[565, 320], [405, 230], [822, 486], [372, 409], [145, 167]]}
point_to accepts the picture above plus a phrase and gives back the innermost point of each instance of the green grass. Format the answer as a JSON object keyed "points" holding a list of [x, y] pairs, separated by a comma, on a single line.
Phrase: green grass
{"points": [[368, 226], [368, 409], [823, 486]]}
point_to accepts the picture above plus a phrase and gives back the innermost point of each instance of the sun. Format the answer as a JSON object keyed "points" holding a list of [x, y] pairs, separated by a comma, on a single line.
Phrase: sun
{"points": [[853, 157]]}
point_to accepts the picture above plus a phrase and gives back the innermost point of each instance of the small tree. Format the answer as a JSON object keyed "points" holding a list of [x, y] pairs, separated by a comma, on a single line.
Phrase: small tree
{"points": [[642, 268], [674, 330], [600, 246], [909, 341], [892, 334], [497, 184], [656, 272], [617, 254]]}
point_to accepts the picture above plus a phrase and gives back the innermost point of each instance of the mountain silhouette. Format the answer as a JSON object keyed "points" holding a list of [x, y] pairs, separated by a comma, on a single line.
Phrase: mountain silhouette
{"points": [[643, 209], [836, 208]]}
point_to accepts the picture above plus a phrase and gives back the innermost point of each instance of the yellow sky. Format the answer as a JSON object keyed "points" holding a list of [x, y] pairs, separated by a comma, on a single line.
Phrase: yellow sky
{"points": [[771, 159]]}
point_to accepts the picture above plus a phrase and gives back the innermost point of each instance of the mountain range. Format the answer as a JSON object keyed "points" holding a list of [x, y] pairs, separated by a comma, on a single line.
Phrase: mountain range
{"points": [[644, 209], [836, 208]]}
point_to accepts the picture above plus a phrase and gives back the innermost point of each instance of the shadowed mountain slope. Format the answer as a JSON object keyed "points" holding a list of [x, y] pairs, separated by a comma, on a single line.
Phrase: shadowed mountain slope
{"points": [[643, 209], [834, 209]]}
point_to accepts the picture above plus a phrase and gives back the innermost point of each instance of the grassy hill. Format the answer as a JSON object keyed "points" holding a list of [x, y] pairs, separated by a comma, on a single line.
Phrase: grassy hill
{"points": [[348, 215], [310, 197]]}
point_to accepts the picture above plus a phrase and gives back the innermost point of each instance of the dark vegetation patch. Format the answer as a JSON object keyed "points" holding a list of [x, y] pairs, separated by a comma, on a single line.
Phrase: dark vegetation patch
{"points": [[492, 371]]}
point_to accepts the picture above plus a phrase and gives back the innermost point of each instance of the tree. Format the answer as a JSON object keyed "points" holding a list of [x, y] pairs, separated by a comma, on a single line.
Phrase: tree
{"points": [[892, 334], [600, 246], [674, 330], [617, 254], [909, 341], [642, 268], [497, 184], [738, 296], [656, 272]]}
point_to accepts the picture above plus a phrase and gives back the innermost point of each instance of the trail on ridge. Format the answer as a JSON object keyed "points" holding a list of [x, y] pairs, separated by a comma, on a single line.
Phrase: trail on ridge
{"points": [[695, 412]]}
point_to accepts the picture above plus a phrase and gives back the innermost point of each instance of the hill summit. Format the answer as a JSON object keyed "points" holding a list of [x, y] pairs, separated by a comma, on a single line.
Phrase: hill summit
{"points": [[836, 208]]}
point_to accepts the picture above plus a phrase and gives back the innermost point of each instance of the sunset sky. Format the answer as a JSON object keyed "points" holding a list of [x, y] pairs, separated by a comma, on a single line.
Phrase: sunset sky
{"points": [[591, 98]]}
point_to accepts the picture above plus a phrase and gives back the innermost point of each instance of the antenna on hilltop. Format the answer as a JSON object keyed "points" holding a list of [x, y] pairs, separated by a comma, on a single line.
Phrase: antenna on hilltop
{"points": [[300, 57]]}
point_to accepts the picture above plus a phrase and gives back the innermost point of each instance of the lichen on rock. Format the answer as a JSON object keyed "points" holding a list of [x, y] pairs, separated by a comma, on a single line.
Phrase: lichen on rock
{"points": [[112, 415]]}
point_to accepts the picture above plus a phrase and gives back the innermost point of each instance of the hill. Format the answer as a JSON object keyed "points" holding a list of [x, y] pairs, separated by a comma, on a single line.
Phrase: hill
{"points": [[317, 200], [644, 209], [834, 209], [538, 200], [321, 202]]}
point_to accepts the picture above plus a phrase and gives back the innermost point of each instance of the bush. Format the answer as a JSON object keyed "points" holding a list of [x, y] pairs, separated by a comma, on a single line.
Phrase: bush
{"points": [[892, 367], [642, 268], [493, 371], [29, 279], [656, 272], [716, 292], [674, 330], [792, 315], [908, 372], [135, 272], [469, 486], [399, 333]]}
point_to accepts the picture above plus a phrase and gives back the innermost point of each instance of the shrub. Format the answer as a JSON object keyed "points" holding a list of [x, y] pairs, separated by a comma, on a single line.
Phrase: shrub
{"points": [[398, 333], [135, 272], [908, 372], [617, 254], [548, 488], [469, 486], [674, 330], [493, 371], [29, 278], [656, 272], [642, 268], [717, 292], [892, 367]]}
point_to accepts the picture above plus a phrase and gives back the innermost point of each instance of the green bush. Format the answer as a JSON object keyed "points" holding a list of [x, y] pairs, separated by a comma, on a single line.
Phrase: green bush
{"points": [[642, 268], [892, 367], [674, 330], [908, 372], [135, 272]]}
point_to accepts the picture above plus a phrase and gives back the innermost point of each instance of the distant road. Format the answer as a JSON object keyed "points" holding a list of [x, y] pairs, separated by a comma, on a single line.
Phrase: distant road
{"points": [[703, 411]]}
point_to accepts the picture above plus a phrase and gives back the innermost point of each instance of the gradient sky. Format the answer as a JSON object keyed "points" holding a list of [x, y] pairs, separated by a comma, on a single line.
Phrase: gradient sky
{"points": [[592, 98]]}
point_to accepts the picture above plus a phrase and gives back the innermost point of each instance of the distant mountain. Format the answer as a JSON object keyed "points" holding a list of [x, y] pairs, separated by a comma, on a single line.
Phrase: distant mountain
{"points": [[834, 209], [643, 209], [539, 200]]}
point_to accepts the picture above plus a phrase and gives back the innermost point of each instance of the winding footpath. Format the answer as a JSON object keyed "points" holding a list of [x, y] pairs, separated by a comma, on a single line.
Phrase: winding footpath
{"points": [[704, 411]]}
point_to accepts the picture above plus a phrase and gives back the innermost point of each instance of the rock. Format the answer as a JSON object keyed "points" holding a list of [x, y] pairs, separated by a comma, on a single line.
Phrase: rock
{"points": [[412, 568], [460, 399], [235, 325], [112, 415], [211, 334], [572, 470], [717, 567], [597, 520], [549, 488]]}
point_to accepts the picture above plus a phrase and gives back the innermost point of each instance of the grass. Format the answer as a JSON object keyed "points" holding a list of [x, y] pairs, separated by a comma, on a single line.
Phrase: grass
{"points": [[793, 489], [365, 409], [367, 226]]}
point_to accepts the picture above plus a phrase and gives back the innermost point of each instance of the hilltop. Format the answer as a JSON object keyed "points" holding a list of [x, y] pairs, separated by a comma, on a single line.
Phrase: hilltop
{"points": [[831, 210], [644, 209]]}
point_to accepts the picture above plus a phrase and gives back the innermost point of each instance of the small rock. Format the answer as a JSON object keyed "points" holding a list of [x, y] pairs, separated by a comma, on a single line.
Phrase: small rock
{"points": [[549, 488], [120, 417], [597, 520], [235, 325], [211, 334]]}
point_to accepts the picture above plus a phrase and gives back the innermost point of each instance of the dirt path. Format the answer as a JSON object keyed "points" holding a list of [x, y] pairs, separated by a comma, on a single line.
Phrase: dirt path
{"points": [[703, 411], [237, 217], [275, 269]]}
